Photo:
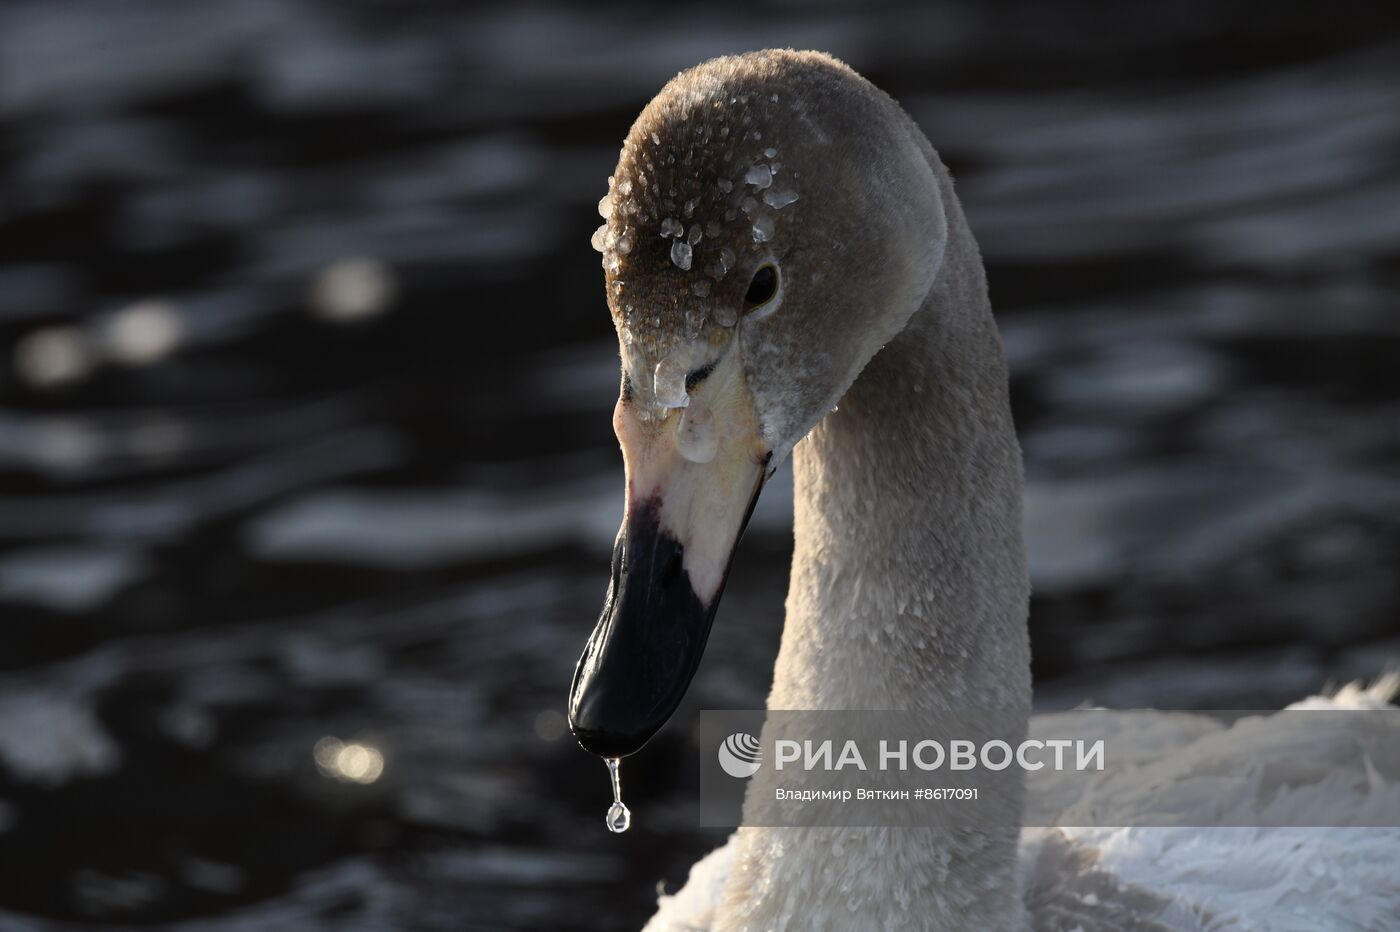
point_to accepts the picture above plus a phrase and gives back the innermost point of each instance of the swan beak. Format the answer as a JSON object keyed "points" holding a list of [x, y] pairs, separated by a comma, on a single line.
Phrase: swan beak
{"points": [[685, 513]]}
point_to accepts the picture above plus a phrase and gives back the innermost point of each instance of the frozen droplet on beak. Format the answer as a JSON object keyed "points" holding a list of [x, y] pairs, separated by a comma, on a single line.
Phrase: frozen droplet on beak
{"points": [[669, 381], [695, 434]]}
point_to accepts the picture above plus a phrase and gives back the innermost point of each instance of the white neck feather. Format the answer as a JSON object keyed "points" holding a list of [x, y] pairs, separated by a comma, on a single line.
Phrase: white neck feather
{"points": [[908, 591]]}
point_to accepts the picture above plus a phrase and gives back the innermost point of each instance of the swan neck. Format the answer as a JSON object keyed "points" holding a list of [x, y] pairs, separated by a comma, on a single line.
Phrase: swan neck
{"points": [[908, 592], [909, 586]]}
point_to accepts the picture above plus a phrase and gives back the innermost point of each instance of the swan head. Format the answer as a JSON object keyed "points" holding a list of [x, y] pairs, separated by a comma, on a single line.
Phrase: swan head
{"points": [[772, 222]]}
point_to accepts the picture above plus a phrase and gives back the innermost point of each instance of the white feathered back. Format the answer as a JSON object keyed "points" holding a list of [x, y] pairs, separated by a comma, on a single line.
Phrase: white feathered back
{"points": [[1194, 879]]}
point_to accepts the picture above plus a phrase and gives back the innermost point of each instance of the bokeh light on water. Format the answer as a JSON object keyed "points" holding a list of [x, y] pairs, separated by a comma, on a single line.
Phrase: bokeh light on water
{"points": [[352, 289], [352, 762], [53, 356]]}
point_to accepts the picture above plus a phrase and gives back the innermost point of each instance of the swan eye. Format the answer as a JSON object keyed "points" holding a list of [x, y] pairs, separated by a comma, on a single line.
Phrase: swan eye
{"points": [[761, 289]]}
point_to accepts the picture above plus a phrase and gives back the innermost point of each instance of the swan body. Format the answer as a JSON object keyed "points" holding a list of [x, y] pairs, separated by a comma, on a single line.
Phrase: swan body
{"points": [[779, 237], [1180, 879]]}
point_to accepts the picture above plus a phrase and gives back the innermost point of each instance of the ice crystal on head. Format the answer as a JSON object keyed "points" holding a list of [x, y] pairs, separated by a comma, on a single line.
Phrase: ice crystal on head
{"points": [[690, 206], [695, 234], [726, 316], [726, 258], [769, 152], [624, 243], [671, 227], [599, 238], [610, 262], [759, 176], [694, 320], [624, 187], [779, 198], [713, 229], [748, 205], [655, 139], [701, 288], [669, 381], [762, 228], [725, 185], [680, 254], [605, 206]]}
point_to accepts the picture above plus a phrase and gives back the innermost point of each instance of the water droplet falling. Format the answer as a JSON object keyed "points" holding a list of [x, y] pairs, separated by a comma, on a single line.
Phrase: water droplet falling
{"points": [[619, 816]]}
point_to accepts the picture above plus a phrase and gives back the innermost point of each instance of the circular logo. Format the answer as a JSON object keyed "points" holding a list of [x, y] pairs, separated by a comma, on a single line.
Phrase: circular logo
{"points": [[740, 755]]}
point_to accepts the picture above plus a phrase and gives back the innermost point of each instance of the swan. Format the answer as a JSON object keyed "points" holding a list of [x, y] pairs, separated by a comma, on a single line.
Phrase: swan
{"points": [[790, 273]]}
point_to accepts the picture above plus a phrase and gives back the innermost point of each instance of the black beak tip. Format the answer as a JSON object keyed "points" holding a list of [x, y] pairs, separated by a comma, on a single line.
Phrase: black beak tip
{"points": [[645, 648], [607, 736], [625, 690], [647, 643]]}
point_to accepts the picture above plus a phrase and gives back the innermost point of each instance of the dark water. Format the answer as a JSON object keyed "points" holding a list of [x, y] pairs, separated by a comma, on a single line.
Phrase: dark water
{"points": [[304, 424]]}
